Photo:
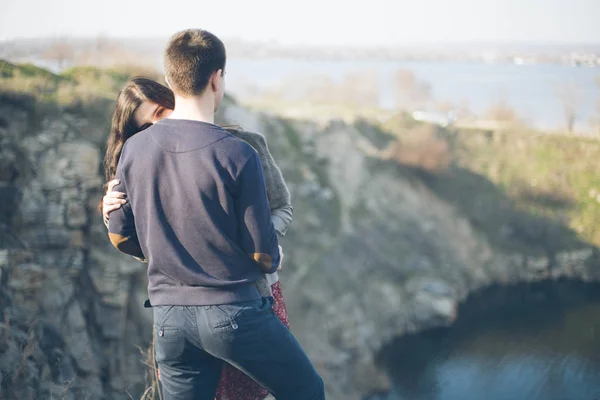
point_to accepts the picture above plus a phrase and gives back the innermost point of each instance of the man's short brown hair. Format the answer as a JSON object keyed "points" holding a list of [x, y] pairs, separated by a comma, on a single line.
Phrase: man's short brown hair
{"points": [[191, 57]]}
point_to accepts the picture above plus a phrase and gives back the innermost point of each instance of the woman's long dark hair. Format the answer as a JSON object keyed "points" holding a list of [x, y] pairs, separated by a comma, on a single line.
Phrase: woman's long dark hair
{"points": [[138, 90]]}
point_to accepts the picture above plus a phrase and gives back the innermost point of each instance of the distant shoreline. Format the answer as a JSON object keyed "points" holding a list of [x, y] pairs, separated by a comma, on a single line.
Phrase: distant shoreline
{"points": [[575, 54]]}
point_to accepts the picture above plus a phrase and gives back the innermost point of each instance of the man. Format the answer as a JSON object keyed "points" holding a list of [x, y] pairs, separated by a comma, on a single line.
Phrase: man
{"points": [[198, 212]]}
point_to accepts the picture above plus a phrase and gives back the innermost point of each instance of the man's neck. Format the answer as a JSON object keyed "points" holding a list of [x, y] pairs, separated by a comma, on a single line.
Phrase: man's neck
{"points": [[194, 108]]}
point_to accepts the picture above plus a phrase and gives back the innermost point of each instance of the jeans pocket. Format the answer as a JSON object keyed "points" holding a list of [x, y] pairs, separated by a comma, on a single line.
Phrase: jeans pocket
{"points": [[169, 343], [225, 316], [231, 316], [228, 316], [169, 332]]}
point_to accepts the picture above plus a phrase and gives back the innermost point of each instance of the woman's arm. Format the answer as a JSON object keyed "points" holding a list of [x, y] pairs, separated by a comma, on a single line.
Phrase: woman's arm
{"points": [[282, 218], [277, 190]]}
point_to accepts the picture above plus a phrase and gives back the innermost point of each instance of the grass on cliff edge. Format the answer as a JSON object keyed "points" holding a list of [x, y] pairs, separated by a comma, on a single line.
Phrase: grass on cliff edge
{"points": [[86, 91], [543, 190]]}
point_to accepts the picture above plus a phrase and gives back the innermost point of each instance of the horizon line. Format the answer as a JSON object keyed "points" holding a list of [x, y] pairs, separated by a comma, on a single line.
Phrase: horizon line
{"points": [[273, 42]]}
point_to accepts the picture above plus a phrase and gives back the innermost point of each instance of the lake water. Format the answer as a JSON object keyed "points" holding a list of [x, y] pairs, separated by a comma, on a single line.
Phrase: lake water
{"points": [[531, 90], [543, 343]]}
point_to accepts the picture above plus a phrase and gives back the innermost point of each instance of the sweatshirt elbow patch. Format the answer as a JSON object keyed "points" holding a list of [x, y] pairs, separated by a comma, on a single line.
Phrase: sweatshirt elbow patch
{"points": [[125, 245], [263, 259]]}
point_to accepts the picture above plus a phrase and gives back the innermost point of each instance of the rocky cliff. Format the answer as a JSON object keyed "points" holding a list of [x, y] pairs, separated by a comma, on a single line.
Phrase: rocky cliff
{"points": [[379, 249], [376, 250], [71, 321]]}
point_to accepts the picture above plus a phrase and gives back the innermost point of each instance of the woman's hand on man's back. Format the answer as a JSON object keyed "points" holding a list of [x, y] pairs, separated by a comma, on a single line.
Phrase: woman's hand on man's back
{"points": [[112, 200]]}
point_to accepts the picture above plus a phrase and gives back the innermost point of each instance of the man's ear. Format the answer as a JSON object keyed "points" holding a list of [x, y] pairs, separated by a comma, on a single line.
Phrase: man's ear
{"points": [[215, 80]]}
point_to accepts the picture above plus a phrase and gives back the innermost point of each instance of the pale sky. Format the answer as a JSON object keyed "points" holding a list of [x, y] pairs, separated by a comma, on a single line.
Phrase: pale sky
{"points": [[311, 22]]}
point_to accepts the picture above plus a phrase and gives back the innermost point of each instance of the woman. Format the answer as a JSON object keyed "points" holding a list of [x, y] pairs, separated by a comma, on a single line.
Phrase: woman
{"points": [[143, 102]]}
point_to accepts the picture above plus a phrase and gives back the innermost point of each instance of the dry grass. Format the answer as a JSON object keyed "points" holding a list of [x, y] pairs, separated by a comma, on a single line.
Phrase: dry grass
{"points": [[500, 111], [421, 148], [152, 391]]}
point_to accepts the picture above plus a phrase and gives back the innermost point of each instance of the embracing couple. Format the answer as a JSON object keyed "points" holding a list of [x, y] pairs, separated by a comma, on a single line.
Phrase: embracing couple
{"points": [[203, 206]]}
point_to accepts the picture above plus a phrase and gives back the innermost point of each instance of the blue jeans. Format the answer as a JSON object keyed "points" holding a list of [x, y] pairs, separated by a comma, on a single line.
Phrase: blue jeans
{"points": [[191, 343]]}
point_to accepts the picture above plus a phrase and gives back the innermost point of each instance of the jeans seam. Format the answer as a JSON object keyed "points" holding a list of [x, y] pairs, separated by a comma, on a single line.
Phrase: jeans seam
{"points": [[229, 315], [195, 310], [192, 312]]}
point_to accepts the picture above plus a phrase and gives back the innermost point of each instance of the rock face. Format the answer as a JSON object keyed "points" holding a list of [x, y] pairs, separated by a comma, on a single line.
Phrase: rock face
{"points": [[373, 253], [71, 322]]}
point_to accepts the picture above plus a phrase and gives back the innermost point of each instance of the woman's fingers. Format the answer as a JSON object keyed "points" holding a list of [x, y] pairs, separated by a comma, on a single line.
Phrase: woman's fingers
{"points": [[113, 198], [112, 184], [115, 195], [110, 208]]}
